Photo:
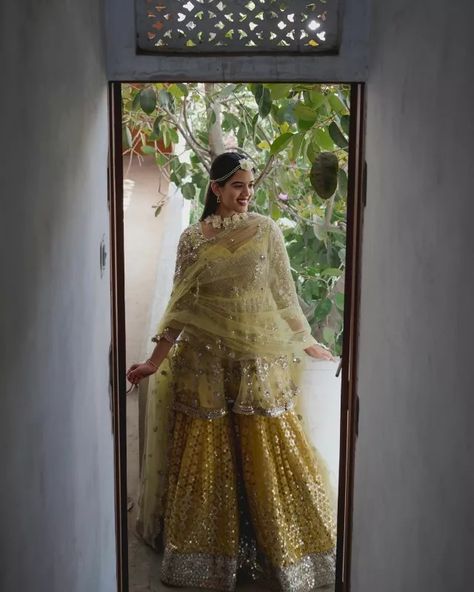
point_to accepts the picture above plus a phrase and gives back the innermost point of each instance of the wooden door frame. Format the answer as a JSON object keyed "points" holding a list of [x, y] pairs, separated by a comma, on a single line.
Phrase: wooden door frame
{"points": [[349, 398]]}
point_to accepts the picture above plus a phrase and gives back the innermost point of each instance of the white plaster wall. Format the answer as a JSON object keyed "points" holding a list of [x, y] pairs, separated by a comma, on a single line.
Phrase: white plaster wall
{"points": [[56, 495], [414, 484]]}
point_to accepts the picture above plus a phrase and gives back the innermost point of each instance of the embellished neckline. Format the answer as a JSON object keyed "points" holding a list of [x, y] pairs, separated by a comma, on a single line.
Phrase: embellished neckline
{"points": [[217, 221]]}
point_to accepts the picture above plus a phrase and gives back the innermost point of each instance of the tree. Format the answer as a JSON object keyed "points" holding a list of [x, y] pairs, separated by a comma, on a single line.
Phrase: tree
{"points": [[297, 136]]}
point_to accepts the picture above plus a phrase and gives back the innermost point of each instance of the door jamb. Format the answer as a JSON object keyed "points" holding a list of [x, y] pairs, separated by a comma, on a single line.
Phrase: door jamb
{"points": [[349, 398], [117, 357]]}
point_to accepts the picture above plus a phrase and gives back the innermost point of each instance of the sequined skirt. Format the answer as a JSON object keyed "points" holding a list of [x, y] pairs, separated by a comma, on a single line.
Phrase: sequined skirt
{"points": [[245, 499]]}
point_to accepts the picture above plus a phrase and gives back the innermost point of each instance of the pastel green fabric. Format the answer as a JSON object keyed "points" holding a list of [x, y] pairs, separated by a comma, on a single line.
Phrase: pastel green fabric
{"points": [[240, 350], [234, 293]]}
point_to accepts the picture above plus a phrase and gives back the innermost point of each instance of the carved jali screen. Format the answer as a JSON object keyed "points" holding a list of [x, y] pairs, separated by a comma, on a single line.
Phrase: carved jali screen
{"points": [[236, 26]]}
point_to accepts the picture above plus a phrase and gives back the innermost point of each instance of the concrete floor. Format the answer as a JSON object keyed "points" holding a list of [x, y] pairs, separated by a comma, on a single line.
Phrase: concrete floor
{"points": [[142, 232]]}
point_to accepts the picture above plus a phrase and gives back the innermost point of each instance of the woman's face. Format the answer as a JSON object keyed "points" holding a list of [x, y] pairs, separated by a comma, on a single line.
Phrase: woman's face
{"points": [[236, 194]]}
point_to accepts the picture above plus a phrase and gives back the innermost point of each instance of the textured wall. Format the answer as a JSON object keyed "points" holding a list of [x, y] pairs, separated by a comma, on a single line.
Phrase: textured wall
{"points": [[56, 495], [414, 517]]}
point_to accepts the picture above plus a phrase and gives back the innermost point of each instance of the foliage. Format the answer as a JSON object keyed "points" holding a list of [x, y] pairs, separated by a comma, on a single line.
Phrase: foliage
{"points": [[297, 136]]}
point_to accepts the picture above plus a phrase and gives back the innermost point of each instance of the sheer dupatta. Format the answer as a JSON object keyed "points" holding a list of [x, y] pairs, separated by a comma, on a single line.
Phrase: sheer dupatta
{"points": [[237, 288]]}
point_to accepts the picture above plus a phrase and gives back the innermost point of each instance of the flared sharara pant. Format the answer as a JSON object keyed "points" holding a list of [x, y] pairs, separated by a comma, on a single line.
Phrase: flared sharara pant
{"points": [[245, 495]]}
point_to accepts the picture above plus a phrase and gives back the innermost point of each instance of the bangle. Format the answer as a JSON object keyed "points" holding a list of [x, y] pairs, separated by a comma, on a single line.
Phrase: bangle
{"points": [[151, 364], [164, 335], [323, 346]]}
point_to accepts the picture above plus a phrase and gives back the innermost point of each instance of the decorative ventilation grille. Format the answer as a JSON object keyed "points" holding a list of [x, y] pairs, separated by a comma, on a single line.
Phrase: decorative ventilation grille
{"points": [[236, 26]]}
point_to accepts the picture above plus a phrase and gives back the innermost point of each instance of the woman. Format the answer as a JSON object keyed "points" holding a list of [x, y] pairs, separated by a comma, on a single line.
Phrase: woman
{"points": [[241, 491]]}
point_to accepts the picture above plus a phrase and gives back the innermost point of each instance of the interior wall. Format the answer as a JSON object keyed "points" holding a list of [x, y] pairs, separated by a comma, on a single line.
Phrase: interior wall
{"points": [[414, 516], [56, 497]]}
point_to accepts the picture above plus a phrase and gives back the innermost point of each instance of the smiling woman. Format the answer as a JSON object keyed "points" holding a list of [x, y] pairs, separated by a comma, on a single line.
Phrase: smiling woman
{"points": [[243, 493]]}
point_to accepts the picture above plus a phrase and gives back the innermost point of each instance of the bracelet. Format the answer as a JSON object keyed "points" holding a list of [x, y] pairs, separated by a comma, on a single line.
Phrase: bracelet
{"points": [[323, 346], [151, 364], [164, 335]]}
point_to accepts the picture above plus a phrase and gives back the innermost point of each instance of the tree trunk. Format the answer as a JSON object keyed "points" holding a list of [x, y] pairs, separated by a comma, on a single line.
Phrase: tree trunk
{"points": [[216, 140]]}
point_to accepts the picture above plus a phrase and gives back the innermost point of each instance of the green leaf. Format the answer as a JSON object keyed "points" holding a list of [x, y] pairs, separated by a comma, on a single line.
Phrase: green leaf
{"points": [[226, 91], [337, 104], [241, 135], [148, 100], [174, 135], [188, 190], [304, 126], [323, 309], [280, 143], [176, 90], [337, 136], [312, 151], [345, 123], [339, 300], [156, 125], [323, 139], [323, 175], [276, 212], [306, 113], [317, 98], [265, 103], [329, 335], [230, 121], [165, 99], [254, 125], [161, 159], [136, 102], [287, 113], [296, 140], [126, 137], [257, 90], [279, 90], [342, 182], [148, 149], [166, 137]]}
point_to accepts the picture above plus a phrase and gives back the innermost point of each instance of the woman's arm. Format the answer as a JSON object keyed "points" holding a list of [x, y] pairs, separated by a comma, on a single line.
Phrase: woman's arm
{"points": [[165, 340], [137, 372], [284, 293]]}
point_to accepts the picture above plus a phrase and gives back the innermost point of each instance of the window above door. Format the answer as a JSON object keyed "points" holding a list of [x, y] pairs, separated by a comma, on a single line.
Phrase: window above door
{"points": [[237, 40], [237, 26]]}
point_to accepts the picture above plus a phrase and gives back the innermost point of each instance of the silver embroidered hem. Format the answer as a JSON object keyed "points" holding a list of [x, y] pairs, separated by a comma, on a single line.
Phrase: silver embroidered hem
{"points": [[202, 413], [312, 572], [199, 570], [202, 570]]}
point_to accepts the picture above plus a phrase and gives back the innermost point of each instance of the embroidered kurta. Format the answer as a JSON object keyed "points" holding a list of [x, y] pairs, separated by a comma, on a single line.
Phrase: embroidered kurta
{"points": [[242, 329]]}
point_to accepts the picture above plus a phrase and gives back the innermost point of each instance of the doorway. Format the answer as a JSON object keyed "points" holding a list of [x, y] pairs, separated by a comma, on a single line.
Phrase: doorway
{"points": [[348, 399]]}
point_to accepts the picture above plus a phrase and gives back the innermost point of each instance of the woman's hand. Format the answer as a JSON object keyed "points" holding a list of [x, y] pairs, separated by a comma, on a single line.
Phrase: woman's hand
{"points": [[138, 371], [320, 353]]}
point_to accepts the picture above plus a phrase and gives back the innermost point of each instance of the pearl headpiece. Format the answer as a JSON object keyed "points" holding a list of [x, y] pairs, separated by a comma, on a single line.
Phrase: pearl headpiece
{"points": [[244, 164]]}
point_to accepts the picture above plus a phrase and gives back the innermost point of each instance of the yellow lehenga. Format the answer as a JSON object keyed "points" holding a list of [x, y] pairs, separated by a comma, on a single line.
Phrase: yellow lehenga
{"points": [[230, 484]]}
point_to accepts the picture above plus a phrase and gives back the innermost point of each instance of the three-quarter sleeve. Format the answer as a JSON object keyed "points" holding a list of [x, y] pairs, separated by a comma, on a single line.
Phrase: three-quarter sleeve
{"points": [[170, 330], [282, 285]]}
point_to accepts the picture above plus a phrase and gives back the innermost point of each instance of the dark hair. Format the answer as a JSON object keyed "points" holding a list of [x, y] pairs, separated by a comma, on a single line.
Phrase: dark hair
{"points": [[221, 166]]}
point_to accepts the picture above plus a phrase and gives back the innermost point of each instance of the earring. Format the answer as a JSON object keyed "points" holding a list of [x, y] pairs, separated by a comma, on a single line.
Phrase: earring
{"points": [[218, 198]]}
